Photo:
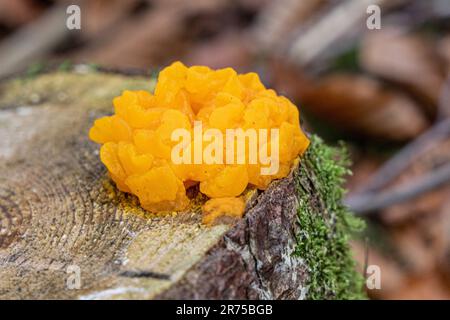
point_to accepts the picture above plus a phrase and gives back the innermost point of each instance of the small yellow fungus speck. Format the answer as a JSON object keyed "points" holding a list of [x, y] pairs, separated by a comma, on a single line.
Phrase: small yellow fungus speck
{"points": [[222, 209], [137, 140]]}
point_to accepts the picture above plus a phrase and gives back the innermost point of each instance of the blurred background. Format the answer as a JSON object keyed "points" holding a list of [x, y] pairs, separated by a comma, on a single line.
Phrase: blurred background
{"points": [[384, 91]]}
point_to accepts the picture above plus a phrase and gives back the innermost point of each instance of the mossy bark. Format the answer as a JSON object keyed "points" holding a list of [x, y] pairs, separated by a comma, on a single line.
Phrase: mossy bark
{"points": [[60, 214]]}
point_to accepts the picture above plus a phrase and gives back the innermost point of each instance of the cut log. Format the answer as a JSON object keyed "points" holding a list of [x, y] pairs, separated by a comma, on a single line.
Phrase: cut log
{"points": [[66, 232]]}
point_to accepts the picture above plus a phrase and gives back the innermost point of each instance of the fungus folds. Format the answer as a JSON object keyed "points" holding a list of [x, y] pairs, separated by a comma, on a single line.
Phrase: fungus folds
{"points": [[137, 140]]}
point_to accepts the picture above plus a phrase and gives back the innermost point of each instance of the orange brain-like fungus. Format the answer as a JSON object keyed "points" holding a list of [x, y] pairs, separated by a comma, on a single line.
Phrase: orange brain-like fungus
{"points": [[137, 140]]}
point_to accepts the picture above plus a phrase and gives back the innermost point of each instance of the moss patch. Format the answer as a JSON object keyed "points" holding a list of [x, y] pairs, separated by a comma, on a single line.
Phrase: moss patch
{"points": [[326, 225]]}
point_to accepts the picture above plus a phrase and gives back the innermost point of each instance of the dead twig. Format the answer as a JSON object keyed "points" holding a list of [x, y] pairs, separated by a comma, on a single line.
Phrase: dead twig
{"points": [[331, 28], [397, 164], [370, 202], [279, 16], [33, 41]]}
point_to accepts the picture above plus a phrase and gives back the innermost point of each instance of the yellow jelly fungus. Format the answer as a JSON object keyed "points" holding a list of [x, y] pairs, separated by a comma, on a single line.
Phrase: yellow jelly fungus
{"points": [[137, 140], [222, 209]]}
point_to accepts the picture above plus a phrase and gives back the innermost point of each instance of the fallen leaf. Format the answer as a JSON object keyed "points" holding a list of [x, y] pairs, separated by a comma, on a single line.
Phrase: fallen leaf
{"points": [[363, 106], [437, 154], [227, 50], [18, 12], [407, 59]]}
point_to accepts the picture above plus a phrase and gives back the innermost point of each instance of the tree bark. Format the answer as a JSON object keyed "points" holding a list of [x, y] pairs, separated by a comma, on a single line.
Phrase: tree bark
{"points": [[66, 232]]}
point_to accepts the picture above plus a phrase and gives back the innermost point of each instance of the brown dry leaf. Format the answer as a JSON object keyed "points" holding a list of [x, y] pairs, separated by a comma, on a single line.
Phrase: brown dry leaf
{"points": [[14, 13], [420, 247], [100, 15], [253, 4], [444, 255], [135, 44], [417, 246], [227, 50], [363, 106], [407, 59], [279, 18], [444, 102], [430, 203], [425, 287], [152, 38], [392, 277], [423, 245], [443, 48]]}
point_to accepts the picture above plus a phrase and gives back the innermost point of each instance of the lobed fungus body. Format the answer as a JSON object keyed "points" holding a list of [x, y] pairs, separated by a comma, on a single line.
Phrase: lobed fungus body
{"points": [[137, 140]]}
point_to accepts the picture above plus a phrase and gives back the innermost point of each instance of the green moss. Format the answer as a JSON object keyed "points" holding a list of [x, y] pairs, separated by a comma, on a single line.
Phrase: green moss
{"points": [[35, 69], [348, 61], [326, 225], [65, 66]]}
